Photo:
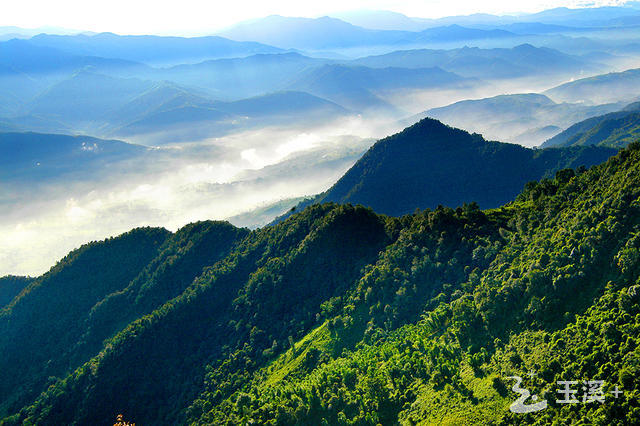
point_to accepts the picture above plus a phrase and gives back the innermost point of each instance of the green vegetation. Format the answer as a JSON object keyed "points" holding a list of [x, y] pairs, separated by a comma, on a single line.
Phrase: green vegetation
{"points": [[10, 287], [338, 316], [431, 164], [617, 129]]}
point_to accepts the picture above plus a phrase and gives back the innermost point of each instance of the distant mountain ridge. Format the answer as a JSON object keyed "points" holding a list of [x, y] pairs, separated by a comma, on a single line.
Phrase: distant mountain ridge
{"points": [[523, 59], [27, 157], [326, 33], [356, 87], [512, 118], [616, 129], [615, 86], [152, 50]]}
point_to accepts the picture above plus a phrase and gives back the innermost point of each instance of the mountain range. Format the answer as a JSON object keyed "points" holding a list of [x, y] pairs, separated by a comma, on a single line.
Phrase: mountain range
{"points": [[611, 87], [52, 84], [488, 64], [437, 277], [511, 118], [151, 50], [338, 314]]}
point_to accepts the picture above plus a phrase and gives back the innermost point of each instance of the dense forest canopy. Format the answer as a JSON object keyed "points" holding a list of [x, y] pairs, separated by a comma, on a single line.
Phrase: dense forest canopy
{"points": [[339, 315]]}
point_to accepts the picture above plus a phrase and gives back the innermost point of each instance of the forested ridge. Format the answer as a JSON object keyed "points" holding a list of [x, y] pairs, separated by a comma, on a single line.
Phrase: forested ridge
{"points": [[430, 164], [339, 315]]}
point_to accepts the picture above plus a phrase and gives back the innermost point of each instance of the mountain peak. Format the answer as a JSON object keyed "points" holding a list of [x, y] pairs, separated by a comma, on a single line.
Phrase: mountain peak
{"points": [[405, 171]]}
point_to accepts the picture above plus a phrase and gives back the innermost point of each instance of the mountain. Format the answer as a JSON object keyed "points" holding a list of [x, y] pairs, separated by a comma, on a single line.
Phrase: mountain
{"points": [[241, 77], [307, 33], [358, 87], [612, 87], [283, 104], [380, 20], [331, 33], [27, 69], [586, 16], [158, 97], [510, 117], [86, 98], [616, 129], [521, 60], [186, 117], [403, 172], [455, 33], [10, 287], [342, 315], [35, 157], [151, 50], [46, 63]]}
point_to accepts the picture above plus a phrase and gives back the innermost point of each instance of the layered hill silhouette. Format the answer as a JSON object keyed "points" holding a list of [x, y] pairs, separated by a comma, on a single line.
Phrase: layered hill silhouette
{"points": [[37, 157], [355, 87], [513, 118], [153, 50], [498, 63], [339, 314], [430, 163], [615, 129], [611, 87]]}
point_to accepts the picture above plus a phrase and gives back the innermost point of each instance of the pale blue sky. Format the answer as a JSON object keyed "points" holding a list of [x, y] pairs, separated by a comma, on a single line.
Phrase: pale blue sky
{"points": [[191, 17]]}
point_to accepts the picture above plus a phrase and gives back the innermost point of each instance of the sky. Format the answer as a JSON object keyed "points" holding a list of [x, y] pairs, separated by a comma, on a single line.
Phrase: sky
{"points": [[197, 17]]}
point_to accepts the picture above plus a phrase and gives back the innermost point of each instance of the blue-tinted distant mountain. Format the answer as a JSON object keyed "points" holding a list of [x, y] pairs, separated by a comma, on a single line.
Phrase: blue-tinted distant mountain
{"points": [[473, 20], [380, 20], [612, 87], [537, 28], [26, 70], [185, 117], [589, 16], [577, 17], [44, 62], [86, 98], [616, 129], [512, 118], [153, 50], [242, 77], [330, 33], [522, 60], [308, 33], [455, 33], [126, 107], [11, 32], [282, 104], [36, 123], [162, 96], [37, 157], [355, 87]]}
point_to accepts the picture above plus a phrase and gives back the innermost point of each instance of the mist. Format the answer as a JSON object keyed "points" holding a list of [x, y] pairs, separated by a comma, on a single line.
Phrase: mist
{"points": [[211, 179]]}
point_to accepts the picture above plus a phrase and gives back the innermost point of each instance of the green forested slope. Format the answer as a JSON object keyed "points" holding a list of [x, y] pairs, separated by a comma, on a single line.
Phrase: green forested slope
{"points": [[10, 287], [616, 130], [341, 316], [62, 318]]}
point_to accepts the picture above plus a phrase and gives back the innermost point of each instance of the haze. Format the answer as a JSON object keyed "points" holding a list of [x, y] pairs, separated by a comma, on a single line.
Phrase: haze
{"points": [[200, 17]]}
